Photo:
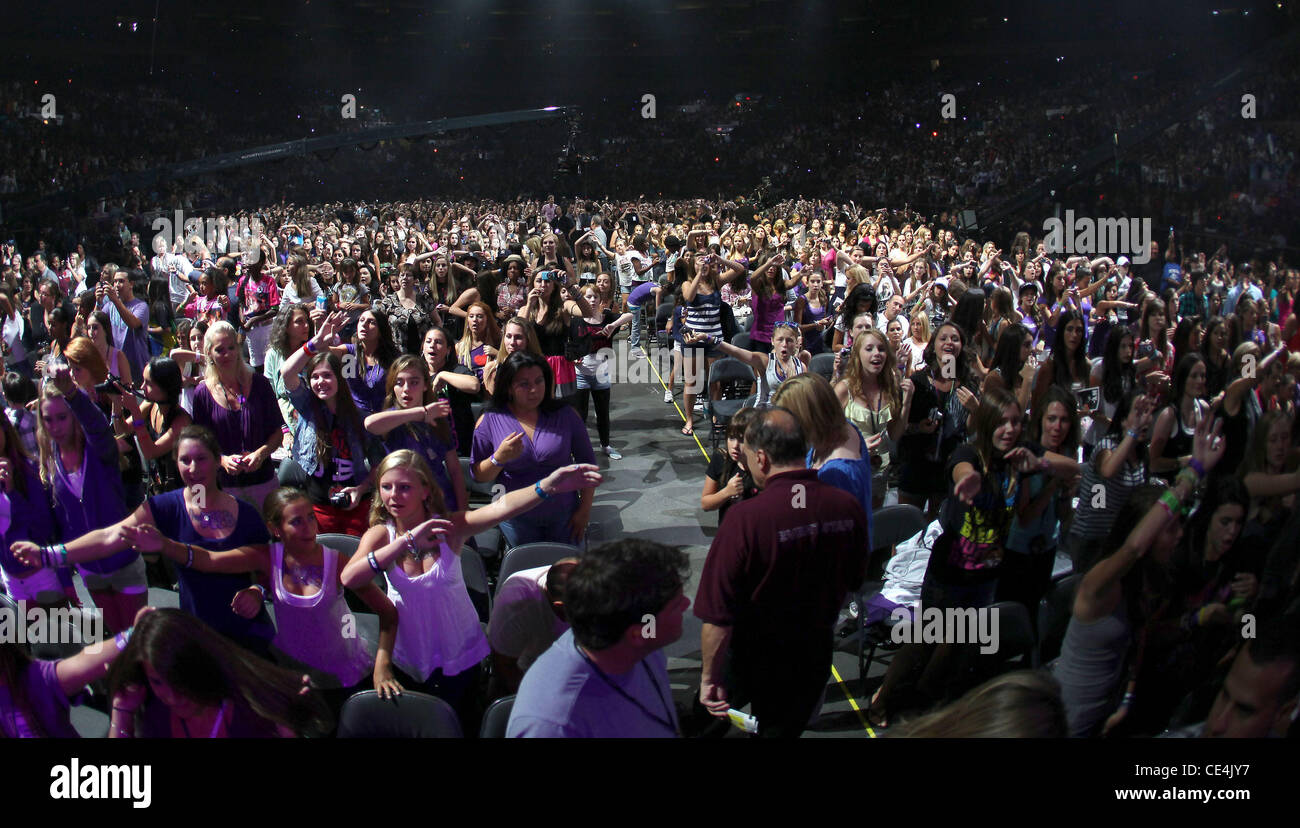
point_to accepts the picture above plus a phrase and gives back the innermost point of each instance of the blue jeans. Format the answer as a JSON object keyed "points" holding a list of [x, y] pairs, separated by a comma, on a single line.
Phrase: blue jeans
{"points": [[634, 338], [545, 523]]}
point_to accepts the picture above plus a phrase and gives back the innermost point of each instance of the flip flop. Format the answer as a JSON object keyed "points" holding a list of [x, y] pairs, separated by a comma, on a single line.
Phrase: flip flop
{"points": [[688, 431]]}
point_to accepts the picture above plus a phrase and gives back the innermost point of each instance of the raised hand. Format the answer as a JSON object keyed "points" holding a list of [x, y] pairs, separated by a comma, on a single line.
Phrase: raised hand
{"points": [[571, 478], [511, 448]]}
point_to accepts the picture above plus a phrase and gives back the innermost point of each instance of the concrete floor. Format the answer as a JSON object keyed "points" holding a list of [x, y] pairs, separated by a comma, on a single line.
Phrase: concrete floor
{"points": [[654, 493]]}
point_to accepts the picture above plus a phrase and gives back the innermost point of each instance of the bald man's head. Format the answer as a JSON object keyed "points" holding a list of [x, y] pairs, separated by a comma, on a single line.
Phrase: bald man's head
{"points": [[774, 442]]}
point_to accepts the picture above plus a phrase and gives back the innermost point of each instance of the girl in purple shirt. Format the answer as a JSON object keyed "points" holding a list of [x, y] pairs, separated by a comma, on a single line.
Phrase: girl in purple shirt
{"points": [[36, 696], [524, 436], [768, 301], [79, 463]]}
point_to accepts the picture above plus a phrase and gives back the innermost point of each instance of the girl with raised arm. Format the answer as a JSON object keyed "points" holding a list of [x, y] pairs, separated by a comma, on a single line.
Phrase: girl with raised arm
{"points": [[79, 464], [415, 541]]}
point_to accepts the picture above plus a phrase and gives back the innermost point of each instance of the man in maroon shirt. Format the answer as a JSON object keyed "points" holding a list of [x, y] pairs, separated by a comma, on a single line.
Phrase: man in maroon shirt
{"points": [[774, 582]]}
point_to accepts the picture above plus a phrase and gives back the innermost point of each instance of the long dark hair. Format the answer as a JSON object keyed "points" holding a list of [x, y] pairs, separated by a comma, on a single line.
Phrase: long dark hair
{"points": [[1182, 371], [864, 293], [279, 336], [1006, 356], [1065, 367], [1056, 394], [507, 372], [167, 376], [345, 410], [963, 361], [386, 349], [1116, 376], [206, 668]]}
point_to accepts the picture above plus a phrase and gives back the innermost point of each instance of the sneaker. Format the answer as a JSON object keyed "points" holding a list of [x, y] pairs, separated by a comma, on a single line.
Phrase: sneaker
{"points": [[668, 397], [699, 404], [612, 453]]}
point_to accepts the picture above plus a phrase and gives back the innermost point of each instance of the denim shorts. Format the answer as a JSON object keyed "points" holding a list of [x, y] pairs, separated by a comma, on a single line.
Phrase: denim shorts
{"points": [[129, 580], [41, 587]]}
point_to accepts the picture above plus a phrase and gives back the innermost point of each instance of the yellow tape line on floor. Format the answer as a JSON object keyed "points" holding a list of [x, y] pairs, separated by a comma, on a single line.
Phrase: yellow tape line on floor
{"points": [[680, 413]]}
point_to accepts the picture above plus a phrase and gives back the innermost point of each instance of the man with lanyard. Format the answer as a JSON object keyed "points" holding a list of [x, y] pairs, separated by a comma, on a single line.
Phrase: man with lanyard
{"points": [[607, 677]]}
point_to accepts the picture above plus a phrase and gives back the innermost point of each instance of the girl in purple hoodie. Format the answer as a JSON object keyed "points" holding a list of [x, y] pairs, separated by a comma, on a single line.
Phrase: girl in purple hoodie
{"points": [[79, 463]]}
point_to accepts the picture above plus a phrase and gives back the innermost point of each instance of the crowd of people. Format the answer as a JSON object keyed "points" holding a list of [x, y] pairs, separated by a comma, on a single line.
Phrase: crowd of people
{"points": [[892, 143], [218, 402]]}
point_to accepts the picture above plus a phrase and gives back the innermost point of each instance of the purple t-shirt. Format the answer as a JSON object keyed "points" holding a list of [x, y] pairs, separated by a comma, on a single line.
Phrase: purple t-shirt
{"points": [[366, 384], [561, 440], [242, 431], [46, 701], [767, 312]]}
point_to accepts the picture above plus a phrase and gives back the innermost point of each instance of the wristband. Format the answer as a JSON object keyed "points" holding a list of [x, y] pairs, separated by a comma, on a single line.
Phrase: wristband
{"points": [[262, 590], [1171, 503], [284, 429], [122, 638], [189, 556], [410, 542], [307, 349], [492, 458], [1198, 467], [537, 487], [309, 346], [1128, 699], [1189, 476], [374, 564], [1136, 435]]}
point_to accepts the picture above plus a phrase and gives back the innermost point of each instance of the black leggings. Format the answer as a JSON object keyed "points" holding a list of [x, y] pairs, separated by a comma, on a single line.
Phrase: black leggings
{"points": [[602, 409]]}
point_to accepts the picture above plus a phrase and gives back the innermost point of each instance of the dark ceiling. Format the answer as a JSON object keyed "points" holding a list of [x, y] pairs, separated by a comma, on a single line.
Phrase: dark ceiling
{"points": [[527, 50]]}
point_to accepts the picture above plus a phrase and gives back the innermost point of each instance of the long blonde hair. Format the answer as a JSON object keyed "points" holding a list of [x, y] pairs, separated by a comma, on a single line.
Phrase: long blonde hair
{"points": [[888, 382], [812, 401], [530, 334], [1025, 704], [491, 334], [216, 330], [45, 443], [407, 460]]}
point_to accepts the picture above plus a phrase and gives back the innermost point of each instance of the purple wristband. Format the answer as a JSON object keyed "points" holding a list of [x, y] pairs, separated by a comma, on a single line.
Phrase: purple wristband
{"points": [[1197, 466]]}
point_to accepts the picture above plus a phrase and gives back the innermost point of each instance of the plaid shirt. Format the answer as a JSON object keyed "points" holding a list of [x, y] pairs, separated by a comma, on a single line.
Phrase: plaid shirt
{"points": [[1192, 305]]}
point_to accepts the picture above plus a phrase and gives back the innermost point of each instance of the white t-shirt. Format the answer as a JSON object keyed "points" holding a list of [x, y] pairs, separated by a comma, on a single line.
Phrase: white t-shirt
{"points": [[289, 292], [627, 265], [179, 270], [523, 625]]}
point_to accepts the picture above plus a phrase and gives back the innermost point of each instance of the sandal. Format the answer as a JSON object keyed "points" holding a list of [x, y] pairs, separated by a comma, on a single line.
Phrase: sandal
{"points": [[688, 430]]}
